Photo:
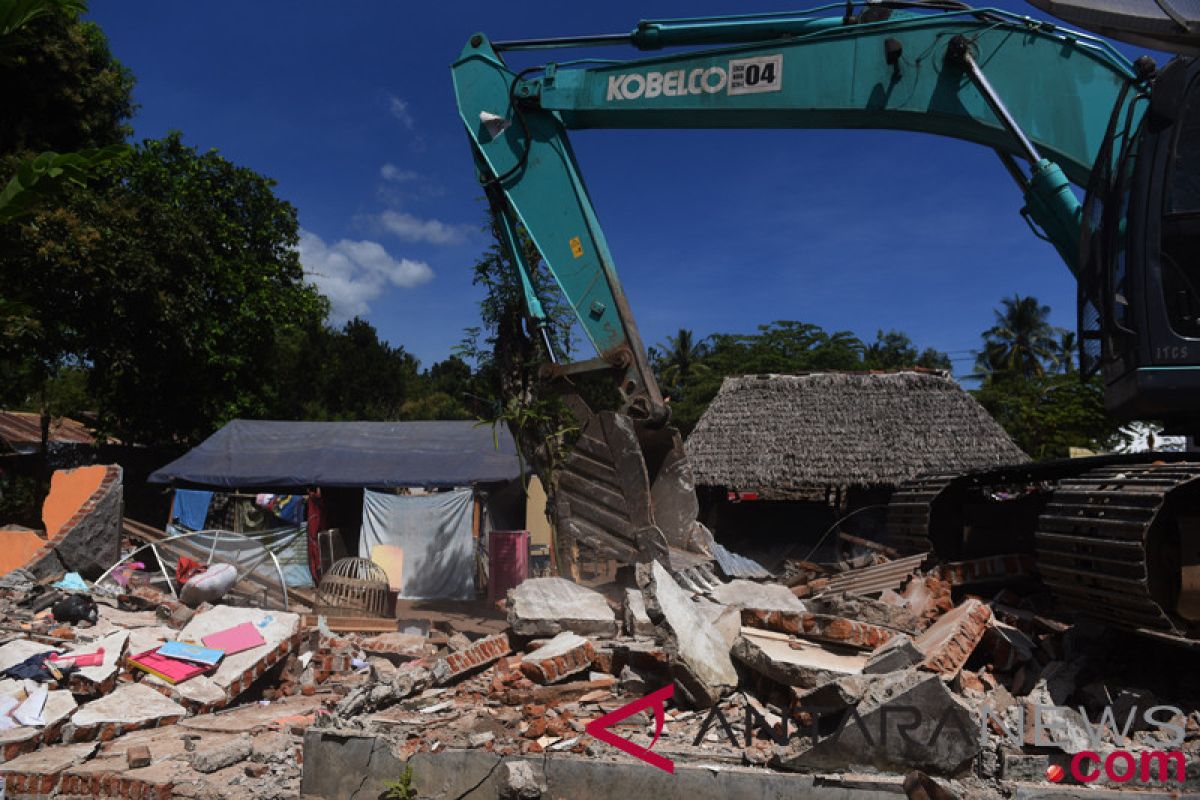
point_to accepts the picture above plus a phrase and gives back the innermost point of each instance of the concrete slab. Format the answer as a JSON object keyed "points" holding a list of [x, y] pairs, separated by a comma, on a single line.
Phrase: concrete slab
{"points": [[149, 638], [549, 606], [349, 766], [129, 708], [37, 773], [725, 620], [764, 596], [238, 671], [793, 661], [60, 704], [700, 656], [905, 720], [637, 621], [249, 718], [899, 652], [102, 678], [18, 650]]}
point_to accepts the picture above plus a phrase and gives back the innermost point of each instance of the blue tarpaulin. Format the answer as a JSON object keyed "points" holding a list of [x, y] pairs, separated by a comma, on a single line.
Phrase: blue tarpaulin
{"points": [[191, 508], [262, 454]]}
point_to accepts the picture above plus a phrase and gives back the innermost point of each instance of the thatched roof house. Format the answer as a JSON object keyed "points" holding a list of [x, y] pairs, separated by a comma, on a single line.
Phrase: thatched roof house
{"points": [[786, 435]]}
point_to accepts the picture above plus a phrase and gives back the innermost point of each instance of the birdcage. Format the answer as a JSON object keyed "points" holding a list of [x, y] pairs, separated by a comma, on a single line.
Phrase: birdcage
{"points": [[353, 587]]}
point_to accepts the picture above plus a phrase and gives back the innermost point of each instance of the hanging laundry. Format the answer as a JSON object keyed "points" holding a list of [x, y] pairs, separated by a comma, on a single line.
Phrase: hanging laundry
{"points": [[191, 508]]}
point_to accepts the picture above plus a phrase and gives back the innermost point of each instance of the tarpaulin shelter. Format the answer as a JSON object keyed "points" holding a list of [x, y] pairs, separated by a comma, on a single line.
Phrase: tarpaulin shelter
{"points": [[432, 489]]}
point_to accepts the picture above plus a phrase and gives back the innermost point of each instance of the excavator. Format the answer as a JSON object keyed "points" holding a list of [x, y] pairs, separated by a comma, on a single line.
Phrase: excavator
{"points": [[1104, 151]]}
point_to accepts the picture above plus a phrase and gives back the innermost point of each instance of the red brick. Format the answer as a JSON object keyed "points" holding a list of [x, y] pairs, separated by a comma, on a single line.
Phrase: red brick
{"points": [[949, 642]]}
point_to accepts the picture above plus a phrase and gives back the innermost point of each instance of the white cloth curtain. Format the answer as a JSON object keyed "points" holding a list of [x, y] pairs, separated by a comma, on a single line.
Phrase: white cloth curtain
{"points": [[425, 538]]}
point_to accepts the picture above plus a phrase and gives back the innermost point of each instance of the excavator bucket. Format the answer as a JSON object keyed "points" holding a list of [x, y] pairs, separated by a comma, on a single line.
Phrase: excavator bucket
{"points": [[627, 493]]}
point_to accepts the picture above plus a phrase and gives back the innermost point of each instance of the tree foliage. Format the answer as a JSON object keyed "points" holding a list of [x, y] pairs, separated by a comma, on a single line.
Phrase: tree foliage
{"points": [[1029, 384]]}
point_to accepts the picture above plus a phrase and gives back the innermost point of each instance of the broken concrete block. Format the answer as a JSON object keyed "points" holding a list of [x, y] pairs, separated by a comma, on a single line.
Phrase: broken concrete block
{"points": [[238, 671], [637, 622], [794, 662], [700, 660], [548, 606], [865, 609], [823, 628], [565, 655], [1008, 647], [905, 720], [919, 786], [896, 653], [1055, 684], [130, 707], [210, 759], [949, 642], [725, 620], [837, 694], [518, 780], [455, 665], [763, 596]]}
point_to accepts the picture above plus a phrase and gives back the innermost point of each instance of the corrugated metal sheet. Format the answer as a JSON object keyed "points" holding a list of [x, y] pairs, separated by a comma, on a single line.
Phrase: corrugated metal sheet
{"points": [[735, 566], [21, 430], [877, 578]]}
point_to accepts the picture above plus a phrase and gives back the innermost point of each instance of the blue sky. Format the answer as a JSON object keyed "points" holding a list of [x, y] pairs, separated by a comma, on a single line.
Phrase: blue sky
{"points": [[350, 109]]}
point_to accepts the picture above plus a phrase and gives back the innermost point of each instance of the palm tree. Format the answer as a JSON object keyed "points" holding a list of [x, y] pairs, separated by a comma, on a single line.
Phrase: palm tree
{"points": [[1068, 343], [680, 358], [1022, 340]]}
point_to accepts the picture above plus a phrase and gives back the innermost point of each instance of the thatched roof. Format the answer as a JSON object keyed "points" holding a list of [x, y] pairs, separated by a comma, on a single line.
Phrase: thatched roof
{"points": [[784, 435]]}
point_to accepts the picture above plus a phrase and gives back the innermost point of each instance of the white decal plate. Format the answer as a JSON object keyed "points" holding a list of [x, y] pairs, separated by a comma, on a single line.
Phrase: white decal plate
{"points": [[756, 75]]}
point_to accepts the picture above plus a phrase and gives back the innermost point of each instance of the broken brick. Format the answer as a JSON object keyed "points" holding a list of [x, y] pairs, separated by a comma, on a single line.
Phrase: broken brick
{"points": [[949, 642]]}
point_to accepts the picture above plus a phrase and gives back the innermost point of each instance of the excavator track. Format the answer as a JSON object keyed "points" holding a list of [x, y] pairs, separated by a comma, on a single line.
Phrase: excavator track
{"points": [[1115, 537], [1113, 543], [911, 509]]}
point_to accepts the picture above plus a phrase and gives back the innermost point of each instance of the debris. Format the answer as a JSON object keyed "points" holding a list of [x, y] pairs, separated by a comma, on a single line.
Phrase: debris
{"points": [[896, 653], [133, 706], [824, 628], [793, 662], [211, 759], [565, 655], [701, 667], [548, 606], [919, 786], [949, 642], [907, 719], [484, 651], [762, 596]]}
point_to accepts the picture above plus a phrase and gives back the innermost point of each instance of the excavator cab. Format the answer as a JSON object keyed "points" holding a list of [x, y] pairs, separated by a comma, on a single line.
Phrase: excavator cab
{"points": [[1139, 288]]}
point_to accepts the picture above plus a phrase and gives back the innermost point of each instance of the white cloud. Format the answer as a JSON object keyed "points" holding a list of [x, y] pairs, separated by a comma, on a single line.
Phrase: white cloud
{"points": [[399, 109], [353, 273], [390, 172], [415, 229]]}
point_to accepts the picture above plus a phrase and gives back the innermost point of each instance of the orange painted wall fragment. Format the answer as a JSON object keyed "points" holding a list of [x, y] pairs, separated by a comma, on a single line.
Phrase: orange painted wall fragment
{"points": [[17, 548], [69, 490]]}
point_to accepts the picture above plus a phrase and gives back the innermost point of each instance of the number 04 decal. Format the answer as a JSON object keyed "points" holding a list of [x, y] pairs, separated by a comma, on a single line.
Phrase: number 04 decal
{"points": [[754, 75]]}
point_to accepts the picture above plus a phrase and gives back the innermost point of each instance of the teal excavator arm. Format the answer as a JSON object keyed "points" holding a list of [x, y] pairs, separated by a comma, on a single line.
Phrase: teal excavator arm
{"points": [[1026, 88]]}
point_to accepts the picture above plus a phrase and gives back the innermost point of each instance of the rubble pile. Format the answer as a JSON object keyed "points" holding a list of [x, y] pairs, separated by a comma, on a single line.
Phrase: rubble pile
{"points": [[928, 682]]}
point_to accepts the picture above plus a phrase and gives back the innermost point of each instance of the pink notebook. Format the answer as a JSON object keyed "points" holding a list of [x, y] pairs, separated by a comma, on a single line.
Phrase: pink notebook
{"points": [[169, 669], [235, 639]]}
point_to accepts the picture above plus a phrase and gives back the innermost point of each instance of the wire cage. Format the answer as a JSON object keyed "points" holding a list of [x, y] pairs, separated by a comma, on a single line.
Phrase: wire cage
{"points": [[353, 587]]}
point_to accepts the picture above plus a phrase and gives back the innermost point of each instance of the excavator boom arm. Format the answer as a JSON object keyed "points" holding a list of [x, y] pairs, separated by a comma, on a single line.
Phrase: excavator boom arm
{"points": [[1059, 89]]}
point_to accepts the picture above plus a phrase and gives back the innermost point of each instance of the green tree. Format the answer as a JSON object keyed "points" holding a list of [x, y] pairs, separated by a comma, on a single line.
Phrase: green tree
{"points": [[1046, 415], [1022, 340], [895, 350], [680, 359], [61, 90], [176, 280]]}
